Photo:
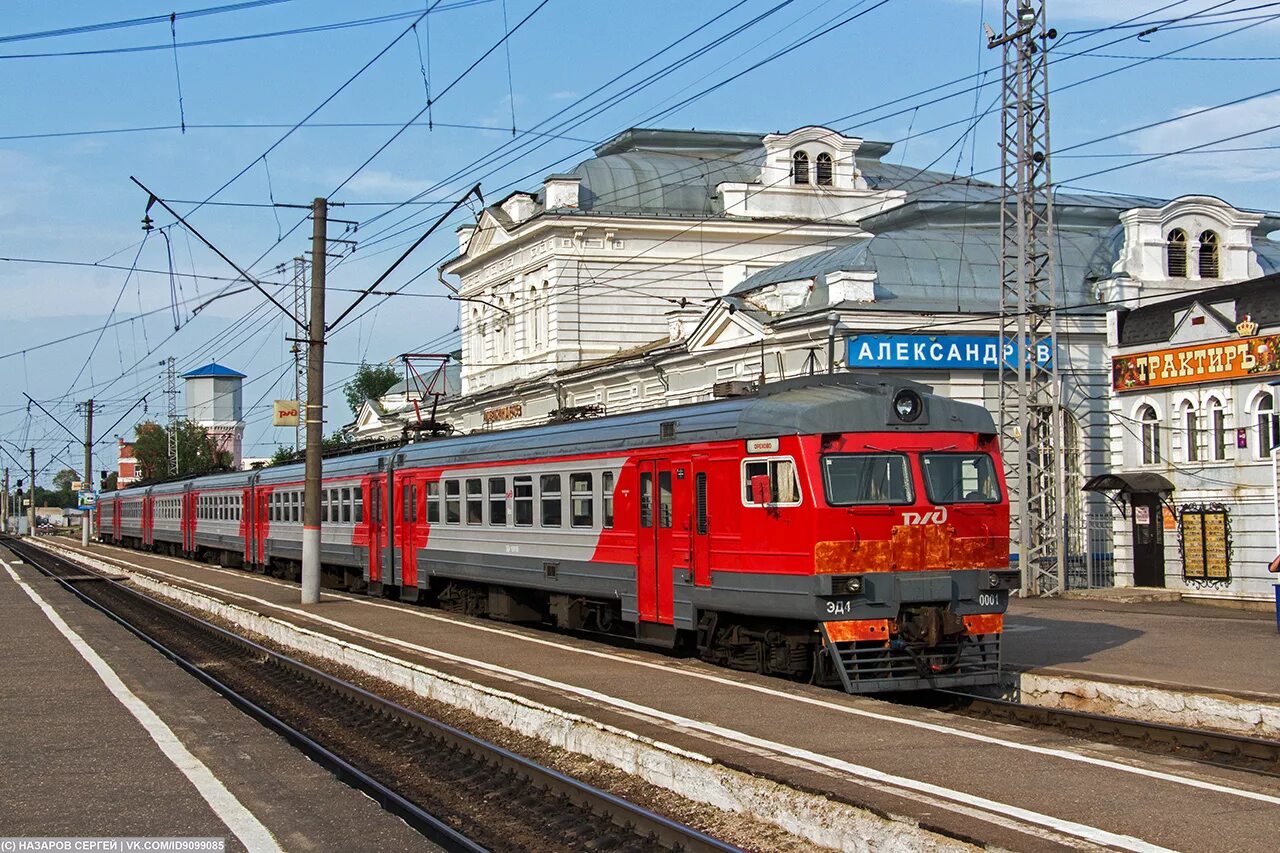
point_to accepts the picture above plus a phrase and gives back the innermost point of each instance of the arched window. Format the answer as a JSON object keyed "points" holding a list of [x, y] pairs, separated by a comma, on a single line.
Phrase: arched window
{"points": [[1150, 422], [1190, 432], [531, 340], [1177, 253], [822, 170], [800, 168], [1264, 415], [544, 315], [1217, 430], [476, 334], [1209, 255]]}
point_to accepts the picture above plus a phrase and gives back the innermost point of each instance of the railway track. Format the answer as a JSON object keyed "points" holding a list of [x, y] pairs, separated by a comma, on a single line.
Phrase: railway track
{"points": [[459, 791], [1218, 749]]}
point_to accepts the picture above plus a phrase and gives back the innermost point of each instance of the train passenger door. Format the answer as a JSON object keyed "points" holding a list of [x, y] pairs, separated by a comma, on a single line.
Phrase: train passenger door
{"points": [[261, 523], [408, 519], [700, 527], [654, 596], [377, 496], [188, 523]]}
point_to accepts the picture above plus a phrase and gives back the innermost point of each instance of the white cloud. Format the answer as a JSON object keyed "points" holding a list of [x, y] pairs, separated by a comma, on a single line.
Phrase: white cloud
{"points": [[383, 184], [1229, 166]]}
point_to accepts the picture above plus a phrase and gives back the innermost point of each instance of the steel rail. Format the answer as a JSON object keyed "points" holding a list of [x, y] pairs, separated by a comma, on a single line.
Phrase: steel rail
{"points": [[663, 831], [1217, 749]]}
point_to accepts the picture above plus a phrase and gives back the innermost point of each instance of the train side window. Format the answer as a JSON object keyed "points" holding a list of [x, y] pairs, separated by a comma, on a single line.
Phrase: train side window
{"points": [[297, 507], [606, 499], [664, 498], [433, 502], [700, 502], [549, 490], [581, 501], [784, 488], [498, 501], [522, 491], [346, 505], [324, 507], [646, 499], [358, 505], [452, 501], [475, 501]]}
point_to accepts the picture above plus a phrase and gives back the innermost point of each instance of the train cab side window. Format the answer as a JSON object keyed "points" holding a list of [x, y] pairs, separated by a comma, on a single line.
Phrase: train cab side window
{"points": [[498, 501], [549, 489], [581, 501], [346, 505], [433, 502], [646, 499], [784, 488], [475, 501], [952, 478], [606, 499], [452, 501], [522, 491], [664, 498], [866, 478]]}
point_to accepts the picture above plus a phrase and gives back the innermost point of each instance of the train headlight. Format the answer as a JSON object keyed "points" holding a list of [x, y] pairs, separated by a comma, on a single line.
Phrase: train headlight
{"points": [[907, 405]]}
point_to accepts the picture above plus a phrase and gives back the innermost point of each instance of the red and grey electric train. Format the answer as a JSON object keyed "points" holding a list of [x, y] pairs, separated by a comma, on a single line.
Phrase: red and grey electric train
{"points": [[843, 529]]}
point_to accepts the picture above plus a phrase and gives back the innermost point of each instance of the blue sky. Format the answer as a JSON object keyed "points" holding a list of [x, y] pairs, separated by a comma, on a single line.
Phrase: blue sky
{"points": [[69, 197]]}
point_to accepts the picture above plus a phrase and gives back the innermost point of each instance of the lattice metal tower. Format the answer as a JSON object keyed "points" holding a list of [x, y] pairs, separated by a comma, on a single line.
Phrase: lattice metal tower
{"points": [[299, 351], [171, 394], [1030, 410]]}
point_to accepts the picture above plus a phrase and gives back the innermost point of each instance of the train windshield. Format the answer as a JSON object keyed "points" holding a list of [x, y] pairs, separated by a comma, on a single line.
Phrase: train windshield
{"points": [[866, 478], [952, 478]]}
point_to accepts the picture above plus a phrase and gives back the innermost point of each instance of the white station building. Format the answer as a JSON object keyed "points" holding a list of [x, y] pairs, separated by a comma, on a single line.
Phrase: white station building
{"points": [[673, 263]]}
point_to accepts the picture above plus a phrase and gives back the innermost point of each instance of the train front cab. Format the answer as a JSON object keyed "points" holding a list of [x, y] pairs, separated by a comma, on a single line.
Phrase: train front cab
{"points": [[912, 561]]}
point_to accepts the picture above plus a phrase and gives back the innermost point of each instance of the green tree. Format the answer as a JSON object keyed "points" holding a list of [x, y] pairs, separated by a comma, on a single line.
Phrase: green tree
{"points": [[63, 479], [197, 452], [111, 483], [370, 383]]}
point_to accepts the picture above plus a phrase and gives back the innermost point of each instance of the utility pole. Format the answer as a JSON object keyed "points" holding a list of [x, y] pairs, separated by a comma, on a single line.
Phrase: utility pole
{"points": [[87, 484], [4, 503], [299, 354], [314, 407], [1030, 404], [31, 506]]}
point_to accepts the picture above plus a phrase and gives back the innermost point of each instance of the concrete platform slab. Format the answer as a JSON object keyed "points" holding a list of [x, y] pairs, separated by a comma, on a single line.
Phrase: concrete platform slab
{"points": [[74, 761], [680, 719]]}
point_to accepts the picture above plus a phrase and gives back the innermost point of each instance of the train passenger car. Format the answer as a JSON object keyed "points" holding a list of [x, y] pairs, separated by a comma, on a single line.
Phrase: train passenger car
{"points": [[836, 528]]}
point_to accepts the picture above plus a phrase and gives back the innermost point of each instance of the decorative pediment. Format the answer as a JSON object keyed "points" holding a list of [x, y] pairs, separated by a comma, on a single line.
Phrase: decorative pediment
{"points": [[489, 234], [1201, 323], [724, 327]]}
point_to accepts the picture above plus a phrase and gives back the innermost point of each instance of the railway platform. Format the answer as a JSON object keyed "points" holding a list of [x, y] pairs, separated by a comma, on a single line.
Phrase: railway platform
{"points": [[105, 738], [848, 770], [1171, 661]]}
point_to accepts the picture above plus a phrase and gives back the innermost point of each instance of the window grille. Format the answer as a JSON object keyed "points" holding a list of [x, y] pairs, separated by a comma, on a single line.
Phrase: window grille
{"points": [[800, 168], [1177, 253], [1209, 255], [823, 170]]}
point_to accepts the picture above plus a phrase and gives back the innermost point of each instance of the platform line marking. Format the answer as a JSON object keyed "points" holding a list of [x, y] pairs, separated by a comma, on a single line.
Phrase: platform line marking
{"points": [[936, 728], [242, 823]]}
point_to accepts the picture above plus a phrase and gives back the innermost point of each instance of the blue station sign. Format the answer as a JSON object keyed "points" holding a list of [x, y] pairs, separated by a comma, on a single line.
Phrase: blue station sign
{"points": [[935, 352]]}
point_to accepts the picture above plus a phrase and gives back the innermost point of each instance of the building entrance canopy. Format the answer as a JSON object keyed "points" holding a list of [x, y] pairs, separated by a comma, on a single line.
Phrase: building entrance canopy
{"points": [[1125, 485], [1128, 483]]}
